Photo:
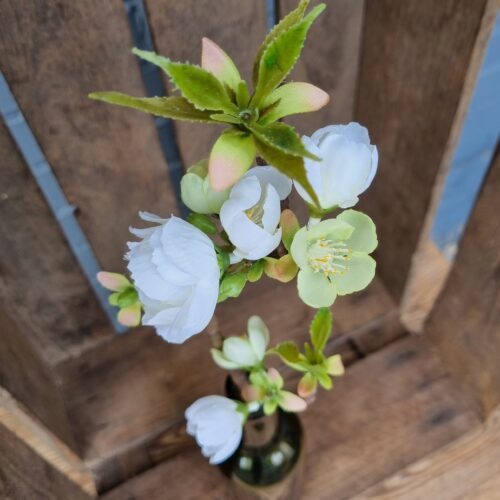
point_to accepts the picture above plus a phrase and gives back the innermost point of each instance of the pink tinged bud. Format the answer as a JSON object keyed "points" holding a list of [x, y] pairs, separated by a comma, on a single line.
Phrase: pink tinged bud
{"points": [[131, 315], [275, 376], [291, 402], [113, 281], [232, 155], [295, 98], [307, 386], [283, 269], [289, 226], [215, 60], [251, 393]]}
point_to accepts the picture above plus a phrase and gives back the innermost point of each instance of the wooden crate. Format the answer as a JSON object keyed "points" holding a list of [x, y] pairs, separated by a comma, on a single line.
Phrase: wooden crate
{"points": [[84, 411]]}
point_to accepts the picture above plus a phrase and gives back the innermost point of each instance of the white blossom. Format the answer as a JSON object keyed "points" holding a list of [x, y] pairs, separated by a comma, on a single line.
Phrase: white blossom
{"points": [[348, 166], [174, 269], [216, 425], [251, 215]]}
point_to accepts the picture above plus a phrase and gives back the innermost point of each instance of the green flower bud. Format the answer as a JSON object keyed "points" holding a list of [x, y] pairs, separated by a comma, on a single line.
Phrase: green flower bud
{"points": [[196, 192]]}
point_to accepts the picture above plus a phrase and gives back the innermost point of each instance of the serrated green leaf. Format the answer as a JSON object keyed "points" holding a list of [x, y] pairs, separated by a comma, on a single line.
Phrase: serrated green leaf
{"points": [[175, 107], [289, 227], [255, 272], [287, 22], [321, 328], [280, 56], [283, 137], [232, 285], [292, 166], [198, 86], [202, 222]]}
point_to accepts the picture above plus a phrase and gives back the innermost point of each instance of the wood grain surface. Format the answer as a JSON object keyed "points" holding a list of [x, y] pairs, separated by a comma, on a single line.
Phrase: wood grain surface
{"points": [[466, 469], [34, 464], [414, 60], [330, 60], [465, 323], [178, 27]]}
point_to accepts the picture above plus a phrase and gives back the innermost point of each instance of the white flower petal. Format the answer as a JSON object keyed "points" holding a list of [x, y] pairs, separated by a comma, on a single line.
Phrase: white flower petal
{"points": [[240, 351], [258, 334], [270, 175]]}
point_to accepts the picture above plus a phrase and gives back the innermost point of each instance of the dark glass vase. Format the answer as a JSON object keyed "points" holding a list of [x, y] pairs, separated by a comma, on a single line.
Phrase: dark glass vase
{"points": [[268, 462]]}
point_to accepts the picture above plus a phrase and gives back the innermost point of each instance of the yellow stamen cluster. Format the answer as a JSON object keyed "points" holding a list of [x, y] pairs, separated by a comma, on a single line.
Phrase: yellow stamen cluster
{"points": [[255, 214], [329, 257]]}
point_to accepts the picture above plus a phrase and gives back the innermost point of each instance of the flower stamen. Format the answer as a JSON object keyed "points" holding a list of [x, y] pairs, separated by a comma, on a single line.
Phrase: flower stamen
{"points": [[329, 257]]}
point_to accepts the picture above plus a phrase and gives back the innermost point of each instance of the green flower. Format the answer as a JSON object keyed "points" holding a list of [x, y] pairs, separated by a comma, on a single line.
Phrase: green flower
{"points": [[333, 257], [196, 192]]}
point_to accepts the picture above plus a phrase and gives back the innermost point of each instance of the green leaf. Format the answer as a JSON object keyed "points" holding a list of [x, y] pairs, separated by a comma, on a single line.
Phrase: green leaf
{"points": [[324, 380], [202, 222], [242, 95], [197, 85], [177, 108], [321, 328], [292, 166], [291, 99], [281, 54], [255, 272], [232, 285], [259, 379], [270, 406], [283, 137], [309, 353], [226, 119], [289, 226], [307, 385], [288, 21], [288, 351]]}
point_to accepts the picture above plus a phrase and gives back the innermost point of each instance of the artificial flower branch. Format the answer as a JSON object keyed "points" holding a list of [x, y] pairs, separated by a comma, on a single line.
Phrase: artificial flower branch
{"points": [[240, 227]]}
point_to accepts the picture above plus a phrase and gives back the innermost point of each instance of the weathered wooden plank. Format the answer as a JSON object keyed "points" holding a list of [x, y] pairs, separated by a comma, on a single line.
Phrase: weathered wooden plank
{"points": [[34, 463], [429, 267], [330, 60], [178, 27], [107, 159], [466, 469], [465, 323], [28, 378], [40, 284], [389, 410], [414, 60]]}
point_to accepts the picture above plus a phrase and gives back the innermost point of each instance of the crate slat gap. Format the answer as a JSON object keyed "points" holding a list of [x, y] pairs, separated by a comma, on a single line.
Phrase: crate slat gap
{"points": [[151, 77]]}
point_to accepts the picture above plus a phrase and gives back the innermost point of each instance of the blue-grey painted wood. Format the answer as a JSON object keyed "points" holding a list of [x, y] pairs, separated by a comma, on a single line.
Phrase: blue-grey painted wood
{"points": [[474, 152], [54, 195], [151, 76]]}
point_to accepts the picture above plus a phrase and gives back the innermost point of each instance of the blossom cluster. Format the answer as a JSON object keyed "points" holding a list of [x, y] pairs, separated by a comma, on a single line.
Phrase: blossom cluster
{"points": [[241, 227]]}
